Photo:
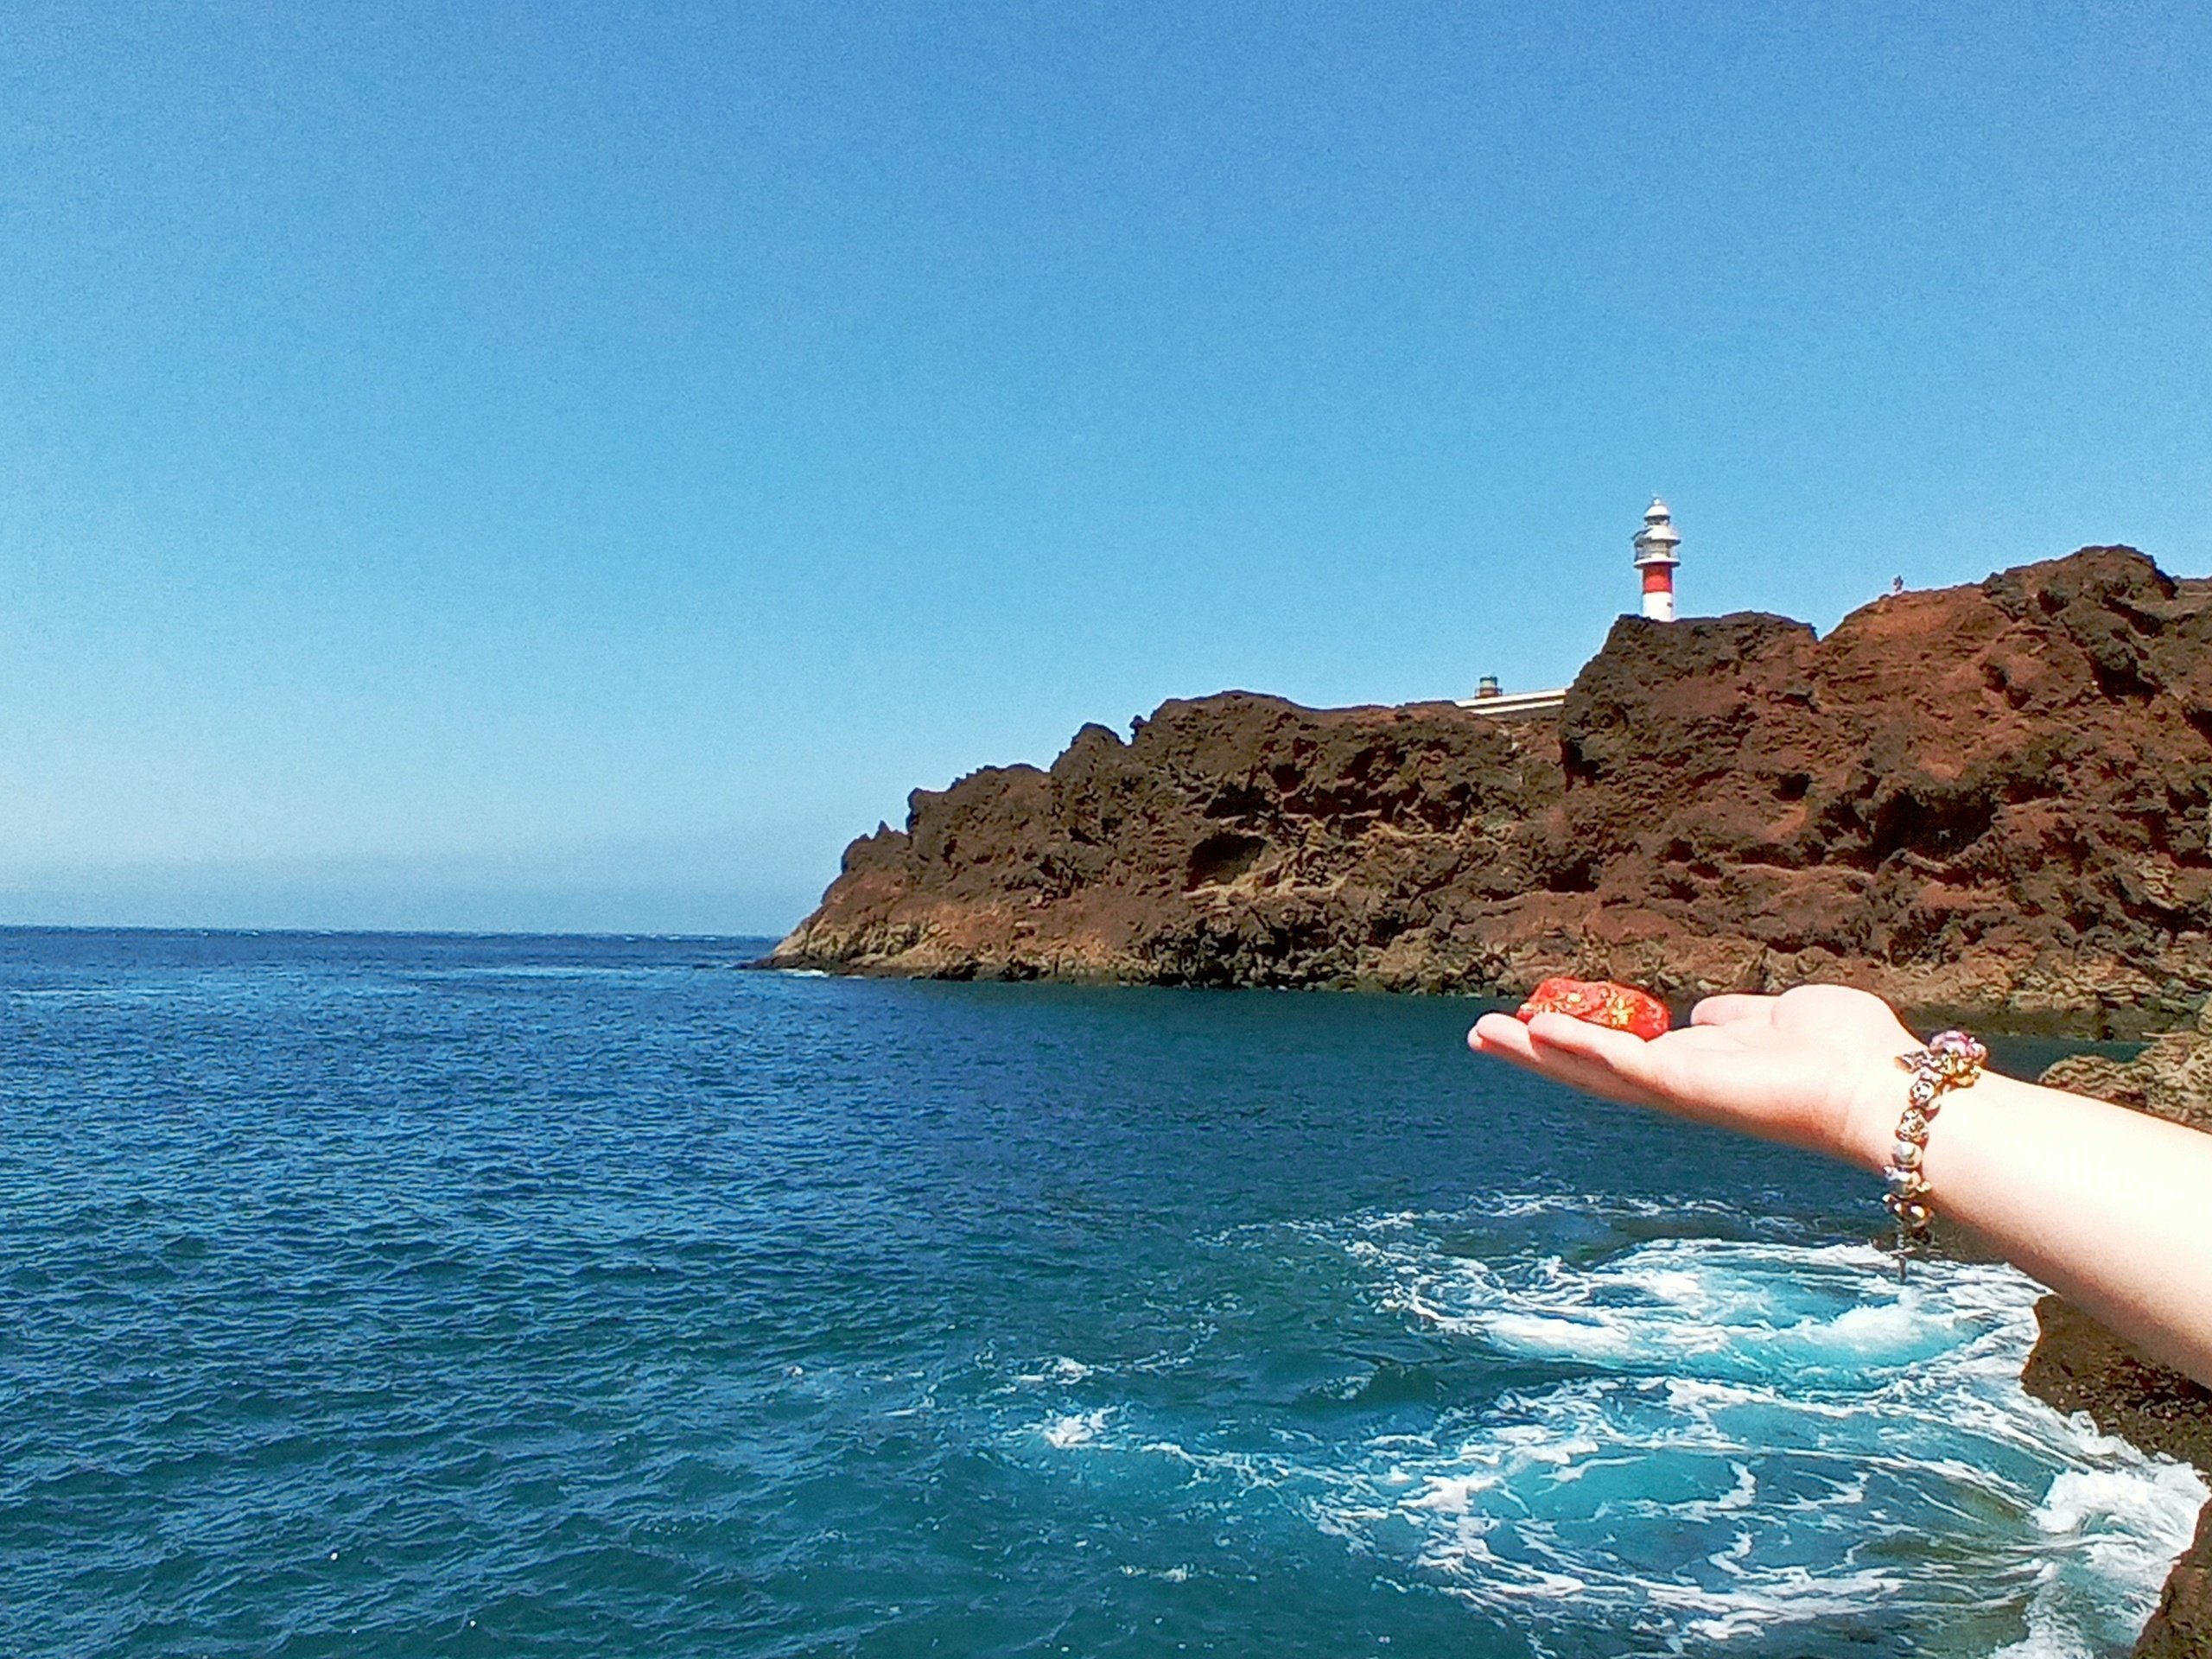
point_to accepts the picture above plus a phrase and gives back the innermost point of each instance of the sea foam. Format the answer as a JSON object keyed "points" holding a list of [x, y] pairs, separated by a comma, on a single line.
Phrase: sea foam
{"points": [[1741, 1436], [1760, 1435]]}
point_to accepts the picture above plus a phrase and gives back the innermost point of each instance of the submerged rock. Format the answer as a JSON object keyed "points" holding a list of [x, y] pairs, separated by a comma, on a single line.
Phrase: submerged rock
{"points": [[1983, 797]]}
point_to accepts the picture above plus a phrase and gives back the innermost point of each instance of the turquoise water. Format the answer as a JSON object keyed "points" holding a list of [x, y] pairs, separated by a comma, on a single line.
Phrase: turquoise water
{"points": [[402, 1296]]}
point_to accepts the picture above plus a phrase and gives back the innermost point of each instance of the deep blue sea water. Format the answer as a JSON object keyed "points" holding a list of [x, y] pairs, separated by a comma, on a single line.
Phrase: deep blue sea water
{"points": [[403, 1296]]}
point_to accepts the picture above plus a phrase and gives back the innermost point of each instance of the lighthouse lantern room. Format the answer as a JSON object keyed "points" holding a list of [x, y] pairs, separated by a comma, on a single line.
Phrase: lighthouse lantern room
{"points": [[1654, 557]]}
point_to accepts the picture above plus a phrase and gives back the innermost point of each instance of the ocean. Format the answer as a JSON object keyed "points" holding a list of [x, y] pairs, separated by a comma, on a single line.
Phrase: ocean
{"points": [[426, 1295]]}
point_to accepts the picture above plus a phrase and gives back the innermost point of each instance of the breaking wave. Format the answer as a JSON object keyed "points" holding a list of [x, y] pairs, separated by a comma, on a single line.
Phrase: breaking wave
{"points": [[1729, 1438]]}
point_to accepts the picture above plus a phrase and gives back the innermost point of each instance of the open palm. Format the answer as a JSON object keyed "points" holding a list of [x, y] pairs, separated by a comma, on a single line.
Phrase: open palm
{"points": [[1814, 1066]]}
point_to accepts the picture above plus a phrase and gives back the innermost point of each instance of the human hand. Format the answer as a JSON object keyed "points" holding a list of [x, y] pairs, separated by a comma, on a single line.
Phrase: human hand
{"points": [[1815, 1067]]}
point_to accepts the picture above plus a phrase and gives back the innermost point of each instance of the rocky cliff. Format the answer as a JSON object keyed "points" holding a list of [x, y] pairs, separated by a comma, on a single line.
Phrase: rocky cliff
{"points": [[1976, 799]]}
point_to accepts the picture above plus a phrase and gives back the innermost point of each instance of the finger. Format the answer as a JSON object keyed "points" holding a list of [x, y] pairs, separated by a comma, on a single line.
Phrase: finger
{"points": [[1591, 1078], [1501, 1035], [1595, 1058], [1729, 1009], [1587, 1038]]}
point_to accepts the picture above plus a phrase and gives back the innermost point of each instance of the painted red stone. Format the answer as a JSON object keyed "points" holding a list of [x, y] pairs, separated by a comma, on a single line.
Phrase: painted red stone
{"points": [[1600, 1002]]}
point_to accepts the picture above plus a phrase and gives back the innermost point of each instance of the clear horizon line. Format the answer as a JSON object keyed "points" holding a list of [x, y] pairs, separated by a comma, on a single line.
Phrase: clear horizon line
{"points": [[381, 932]]}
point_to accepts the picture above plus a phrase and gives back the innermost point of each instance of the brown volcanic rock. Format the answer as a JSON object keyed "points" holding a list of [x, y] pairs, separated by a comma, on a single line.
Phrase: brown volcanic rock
{"points": [[2079, 1365], [2173, 1077], [1982, 796], [2181, 1625], [1238, 839]]}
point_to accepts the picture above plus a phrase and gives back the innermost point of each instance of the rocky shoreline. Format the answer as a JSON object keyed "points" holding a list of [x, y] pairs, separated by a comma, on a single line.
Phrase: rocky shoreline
{"points": [[2078, 1365], [1990, 801]]}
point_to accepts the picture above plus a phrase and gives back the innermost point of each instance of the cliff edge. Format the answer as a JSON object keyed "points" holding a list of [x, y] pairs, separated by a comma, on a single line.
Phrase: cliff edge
{"points": [[1976, 798]]}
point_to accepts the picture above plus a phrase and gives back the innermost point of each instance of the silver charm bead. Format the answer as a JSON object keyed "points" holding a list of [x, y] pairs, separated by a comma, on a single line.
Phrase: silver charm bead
{"points": [[1951, 1060]]}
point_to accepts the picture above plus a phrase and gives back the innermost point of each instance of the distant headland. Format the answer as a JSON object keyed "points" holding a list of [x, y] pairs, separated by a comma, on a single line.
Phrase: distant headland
{"points": [[1993, 800]]}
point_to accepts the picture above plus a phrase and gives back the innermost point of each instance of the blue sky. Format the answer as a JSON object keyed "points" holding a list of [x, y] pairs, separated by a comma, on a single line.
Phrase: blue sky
{"points": [[548, 466]]}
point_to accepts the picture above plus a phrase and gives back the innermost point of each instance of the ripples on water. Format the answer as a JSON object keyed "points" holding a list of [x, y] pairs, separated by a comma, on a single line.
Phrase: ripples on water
{"points": [[401, 1296]]}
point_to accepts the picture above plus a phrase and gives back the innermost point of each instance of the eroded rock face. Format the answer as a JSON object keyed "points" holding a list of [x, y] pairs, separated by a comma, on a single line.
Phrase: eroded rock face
{"points": [[2172, 1077], [2181, 1625], [1982, 796], [2079, 1365]]}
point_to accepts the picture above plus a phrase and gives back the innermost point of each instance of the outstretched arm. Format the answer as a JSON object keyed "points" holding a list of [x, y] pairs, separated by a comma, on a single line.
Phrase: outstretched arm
{"points": [[2109, 1207]]}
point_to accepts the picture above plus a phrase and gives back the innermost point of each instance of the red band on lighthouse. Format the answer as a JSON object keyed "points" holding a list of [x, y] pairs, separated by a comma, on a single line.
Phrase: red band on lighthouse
{"points": [[1655, 561]]}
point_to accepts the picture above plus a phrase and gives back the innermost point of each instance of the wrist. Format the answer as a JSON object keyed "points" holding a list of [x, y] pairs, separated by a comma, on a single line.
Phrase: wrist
{"points": [[1874, 1100]]}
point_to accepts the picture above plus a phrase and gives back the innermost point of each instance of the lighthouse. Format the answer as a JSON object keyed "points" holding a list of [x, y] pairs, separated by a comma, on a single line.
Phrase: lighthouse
{"points": [[1655, 559], [1655, 556]]}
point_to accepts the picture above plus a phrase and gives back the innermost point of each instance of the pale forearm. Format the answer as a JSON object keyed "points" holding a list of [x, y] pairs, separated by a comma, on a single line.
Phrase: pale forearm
{"points": [[2109, 1207]]}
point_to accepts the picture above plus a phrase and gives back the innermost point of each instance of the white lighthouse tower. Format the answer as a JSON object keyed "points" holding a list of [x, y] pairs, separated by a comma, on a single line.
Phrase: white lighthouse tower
{"points": [[1655, 556]]}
